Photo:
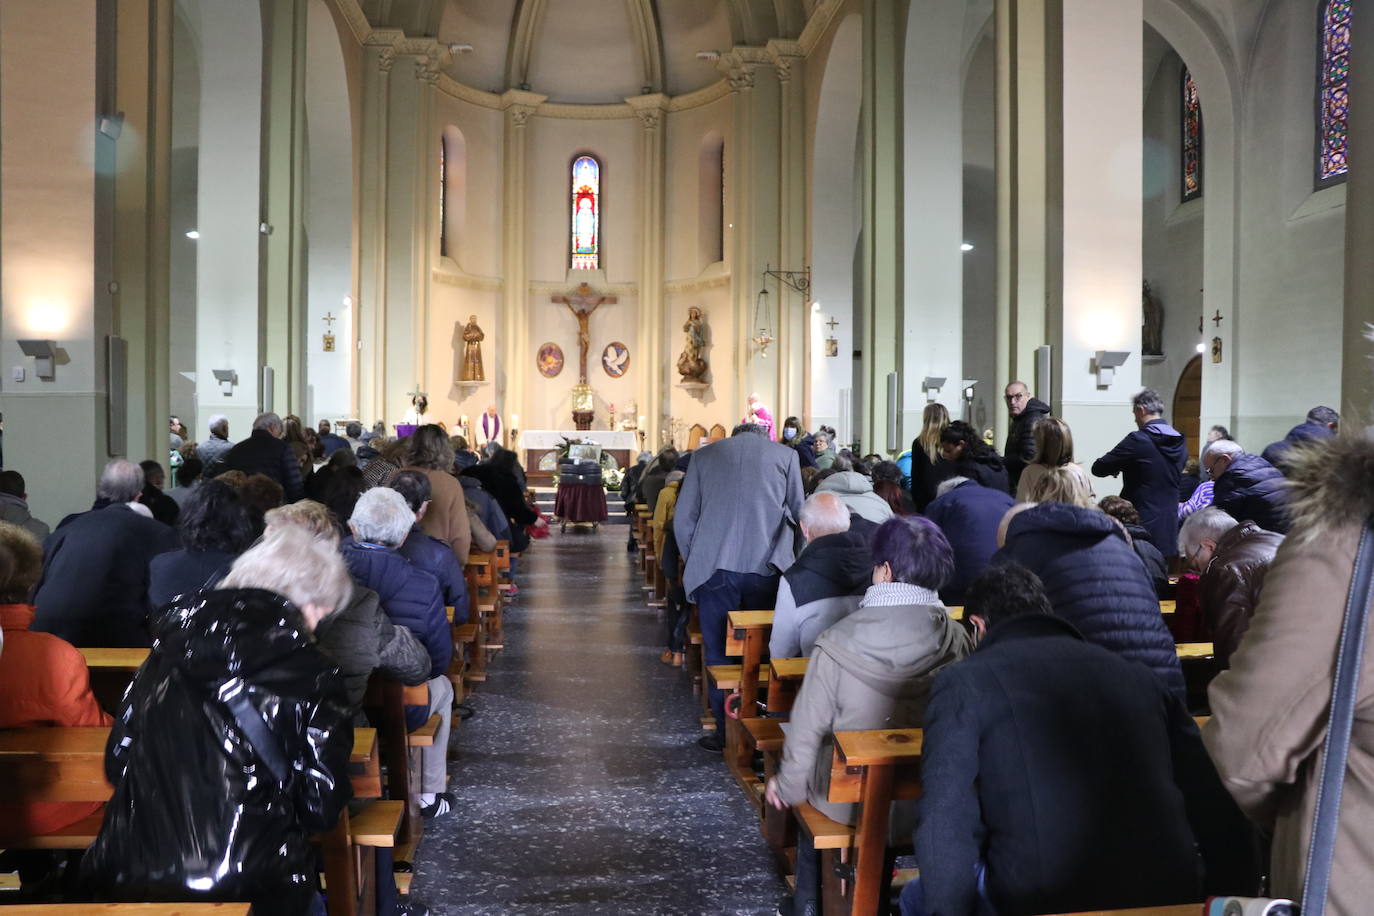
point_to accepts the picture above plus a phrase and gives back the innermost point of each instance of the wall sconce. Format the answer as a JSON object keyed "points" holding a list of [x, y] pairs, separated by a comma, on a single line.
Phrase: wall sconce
{"points": [[1107, 362], [931, 386], [44, 353], [227, 378]]}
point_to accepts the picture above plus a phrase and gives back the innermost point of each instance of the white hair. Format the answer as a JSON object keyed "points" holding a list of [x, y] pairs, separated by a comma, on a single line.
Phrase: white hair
{"points": [[947, 485], [268, 421], [121, 481], [1227, 448], [216, 419], [1209, 524], [302, 568], [823, 513], [382, 516]]}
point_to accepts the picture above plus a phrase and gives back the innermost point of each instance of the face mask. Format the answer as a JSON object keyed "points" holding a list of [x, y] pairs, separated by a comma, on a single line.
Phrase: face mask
{"points": [[789, 432]]}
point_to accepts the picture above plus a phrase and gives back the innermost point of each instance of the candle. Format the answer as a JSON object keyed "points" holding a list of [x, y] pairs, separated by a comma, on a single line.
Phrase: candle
{"points": [[641, 421], [515, 420]]}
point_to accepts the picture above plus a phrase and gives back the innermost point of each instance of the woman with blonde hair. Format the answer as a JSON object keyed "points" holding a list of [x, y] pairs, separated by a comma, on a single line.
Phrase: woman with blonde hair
{"points": [[925, 451], [1053, 450], [1062, 484]]}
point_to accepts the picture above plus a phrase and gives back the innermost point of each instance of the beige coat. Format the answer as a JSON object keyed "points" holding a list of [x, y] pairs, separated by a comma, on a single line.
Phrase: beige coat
{"points": [[1269, 712], [447, 518]]}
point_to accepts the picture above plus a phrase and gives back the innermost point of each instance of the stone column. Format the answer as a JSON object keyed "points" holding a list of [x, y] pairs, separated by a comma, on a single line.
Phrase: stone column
{"points": [[372, 236], [1357, 372], [884, 24], [282, 303], [517, 359], [794, 326], [141, 267], [656, 370]]}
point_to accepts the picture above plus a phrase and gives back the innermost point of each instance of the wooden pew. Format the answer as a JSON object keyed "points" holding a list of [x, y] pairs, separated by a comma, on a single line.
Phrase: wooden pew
{"points": [[130, 909], [68, 764], [484, 596]]}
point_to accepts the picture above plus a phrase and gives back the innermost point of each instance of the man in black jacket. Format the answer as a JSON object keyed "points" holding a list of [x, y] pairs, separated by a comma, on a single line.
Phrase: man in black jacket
{"points": [[1247, 487], [826, 582], [1321, 423], [1025, 412], [95, 566], [264, 452], [1059, 778], [1150, 461]]}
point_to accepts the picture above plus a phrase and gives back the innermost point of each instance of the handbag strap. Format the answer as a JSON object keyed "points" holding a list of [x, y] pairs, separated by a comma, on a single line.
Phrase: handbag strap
{"points": [[255, 729], [1336, 748]]}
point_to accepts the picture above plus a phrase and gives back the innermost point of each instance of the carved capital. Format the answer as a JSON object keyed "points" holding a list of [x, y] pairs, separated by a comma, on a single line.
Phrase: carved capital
{"points": [[649, 108], [386, 60], [740, 78], [519, 114], [427, 68]]}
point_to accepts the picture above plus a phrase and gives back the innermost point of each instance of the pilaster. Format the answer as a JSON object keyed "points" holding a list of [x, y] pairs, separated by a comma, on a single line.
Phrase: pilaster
{"points": [[519, 106], [794, 326], [372, 236], [651, 111]]}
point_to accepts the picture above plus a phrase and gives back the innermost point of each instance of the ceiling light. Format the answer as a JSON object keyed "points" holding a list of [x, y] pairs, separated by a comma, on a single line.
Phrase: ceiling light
{"points": [[192, 234], [1202, 348], [966, 246]]}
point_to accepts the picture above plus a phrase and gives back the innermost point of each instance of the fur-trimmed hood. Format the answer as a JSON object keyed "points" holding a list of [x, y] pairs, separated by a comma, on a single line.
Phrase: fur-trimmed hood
{"points": [[1331, 484]]}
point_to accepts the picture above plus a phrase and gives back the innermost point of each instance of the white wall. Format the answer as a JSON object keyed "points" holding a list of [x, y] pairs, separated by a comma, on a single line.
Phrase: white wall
{"points": [[980, 230]]}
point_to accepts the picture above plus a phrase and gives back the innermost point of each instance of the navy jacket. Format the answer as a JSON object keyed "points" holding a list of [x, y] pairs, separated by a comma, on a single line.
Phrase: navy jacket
{"points": [[1276, 453], [1096, 582], [185, 572], [1252, 489], [969, 515], [1150, 557], [94, 589], [436, 558], [409, 596], [263, 453], [1074, 777], [490, 510], [1150, 462], [332, 442]]}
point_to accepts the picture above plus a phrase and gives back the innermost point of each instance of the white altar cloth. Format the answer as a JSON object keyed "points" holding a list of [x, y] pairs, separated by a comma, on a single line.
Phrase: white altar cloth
{"points": [[627, 439]]}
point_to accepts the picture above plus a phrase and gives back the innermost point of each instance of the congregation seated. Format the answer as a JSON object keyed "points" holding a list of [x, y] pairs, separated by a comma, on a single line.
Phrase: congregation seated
{"points": [[887, 483], [265, 451], [484, 506], [339, 462], [1232, 559], [14, 505], [500, 476], [410, 597], [872, 669], [188, 478], [447, 517], [655, 476], [1094, 581], [463, 456], [232, 744], [163, 507], [668, 555], [1200, 495], [1150, 557], [856, 492], [215, 527], [1058, 777], [963, 453], [823, 449], [43, 682], [1246, 486], [1320, 424], [825, 583], [968, 515], [429, 553], [94, 587], [358, 637], [388, 460]]}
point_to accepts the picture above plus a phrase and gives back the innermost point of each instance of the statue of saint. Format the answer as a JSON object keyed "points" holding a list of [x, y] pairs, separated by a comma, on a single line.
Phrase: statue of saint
{"points": [[472, 351], [691, 365], [1152, 331]]}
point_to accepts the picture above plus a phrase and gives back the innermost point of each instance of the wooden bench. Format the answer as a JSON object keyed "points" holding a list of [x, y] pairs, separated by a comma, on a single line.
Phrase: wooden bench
{"points": [[131, 909], [68, 765], [1182, 909]]}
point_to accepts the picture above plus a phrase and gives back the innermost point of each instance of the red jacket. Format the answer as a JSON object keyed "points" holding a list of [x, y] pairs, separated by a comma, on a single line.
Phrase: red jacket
{"points": [[43, 681]]}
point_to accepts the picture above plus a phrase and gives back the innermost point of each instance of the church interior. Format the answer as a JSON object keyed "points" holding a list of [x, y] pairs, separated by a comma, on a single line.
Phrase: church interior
{"points": [[627, 223]]}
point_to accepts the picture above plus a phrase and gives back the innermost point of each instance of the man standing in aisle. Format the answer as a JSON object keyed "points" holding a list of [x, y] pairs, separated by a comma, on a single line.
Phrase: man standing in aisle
{"points": [[1025, 411], [735, 525]]}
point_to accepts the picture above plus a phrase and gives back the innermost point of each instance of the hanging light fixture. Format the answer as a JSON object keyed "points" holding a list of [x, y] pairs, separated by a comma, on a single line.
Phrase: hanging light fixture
{"points": [[764, 337]]}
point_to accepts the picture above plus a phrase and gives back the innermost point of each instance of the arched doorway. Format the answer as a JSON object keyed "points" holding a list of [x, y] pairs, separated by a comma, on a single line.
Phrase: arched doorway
{"points": [[1187, 412]]}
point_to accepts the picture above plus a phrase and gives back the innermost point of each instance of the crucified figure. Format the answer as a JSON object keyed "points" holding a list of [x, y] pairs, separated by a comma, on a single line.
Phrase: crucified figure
{"points": [[582, 304]]}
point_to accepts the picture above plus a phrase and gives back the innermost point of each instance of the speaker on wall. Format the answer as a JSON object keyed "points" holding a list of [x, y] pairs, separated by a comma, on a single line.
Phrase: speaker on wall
{"points": [[267, 378]]}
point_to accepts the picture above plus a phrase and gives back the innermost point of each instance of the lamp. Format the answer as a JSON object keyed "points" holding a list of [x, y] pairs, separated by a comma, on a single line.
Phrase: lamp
{"points": [[1106, 363], [227, 378], [931, 385], [44, 353], [765, 336]]}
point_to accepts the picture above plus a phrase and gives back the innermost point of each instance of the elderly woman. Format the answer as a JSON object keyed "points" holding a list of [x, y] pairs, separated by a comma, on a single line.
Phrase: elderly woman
{"points": [[447, 519], [215, 527], [872, 669], [232, 744], [411, 598]]}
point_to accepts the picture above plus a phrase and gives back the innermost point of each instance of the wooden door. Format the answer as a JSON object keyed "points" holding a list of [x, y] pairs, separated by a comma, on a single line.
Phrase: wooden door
{"points": [[1187, 413]]}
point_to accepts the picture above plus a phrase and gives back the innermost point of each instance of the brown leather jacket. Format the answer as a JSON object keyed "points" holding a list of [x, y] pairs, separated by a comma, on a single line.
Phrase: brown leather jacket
{"points": [[1230, 588]]}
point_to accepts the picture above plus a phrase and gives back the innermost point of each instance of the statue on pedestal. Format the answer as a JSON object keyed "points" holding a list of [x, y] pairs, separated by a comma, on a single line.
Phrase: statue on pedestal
{"points": [[691, 365], [472, 351]]}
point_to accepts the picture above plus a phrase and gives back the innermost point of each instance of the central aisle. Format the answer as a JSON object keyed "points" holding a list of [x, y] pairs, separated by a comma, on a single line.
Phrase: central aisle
{"points": [[579, 783]]}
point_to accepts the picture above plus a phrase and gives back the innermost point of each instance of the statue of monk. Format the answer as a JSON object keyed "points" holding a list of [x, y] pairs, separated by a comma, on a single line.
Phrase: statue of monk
{"points": [[472, 351]]}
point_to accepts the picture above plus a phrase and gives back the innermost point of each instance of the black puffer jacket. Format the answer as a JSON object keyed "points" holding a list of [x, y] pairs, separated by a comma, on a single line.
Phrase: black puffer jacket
{"points": [[1095, 581], [193, 793], [1277, 453], [1021, 439], [1252, 488]]}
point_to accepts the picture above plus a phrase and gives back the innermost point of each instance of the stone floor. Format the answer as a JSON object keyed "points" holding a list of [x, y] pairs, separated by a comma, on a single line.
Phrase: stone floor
{"points": [[580, 787]]}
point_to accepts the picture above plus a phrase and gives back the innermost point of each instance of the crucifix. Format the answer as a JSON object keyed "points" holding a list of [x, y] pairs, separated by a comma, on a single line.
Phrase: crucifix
{"points": [[329, 320], [1216, 319], [582, 303], [832, 324]]}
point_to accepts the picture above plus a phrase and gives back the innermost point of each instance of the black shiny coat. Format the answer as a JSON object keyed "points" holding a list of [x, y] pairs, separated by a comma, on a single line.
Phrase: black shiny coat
{"points": [[196, 812]]}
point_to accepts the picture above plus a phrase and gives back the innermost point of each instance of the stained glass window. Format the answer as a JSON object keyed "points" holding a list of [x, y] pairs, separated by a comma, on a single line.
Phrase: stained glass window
{"points": [[1333, 103], [1191, 122], [586, 213], [443, 197]]}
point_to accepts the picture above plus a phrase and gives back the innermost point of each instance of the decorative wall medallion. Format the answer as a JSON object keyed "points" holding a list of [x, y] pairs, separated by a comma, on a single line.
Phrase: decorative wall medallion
{"points": [[550, 360], [615, 359]]}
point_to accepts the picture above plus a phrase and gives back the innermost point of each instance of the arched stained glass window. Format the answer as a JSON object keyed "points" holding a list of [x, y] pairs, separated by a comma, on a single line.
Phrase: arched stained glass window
{"points": [[1333, 99], [586, 213], [1191, 147]]}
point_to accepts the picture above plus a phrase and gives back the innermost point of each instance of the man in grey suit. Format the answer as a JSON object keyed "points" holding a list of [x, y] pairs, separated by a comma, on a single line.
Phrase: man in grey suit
{"points": [[734, 525]]}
